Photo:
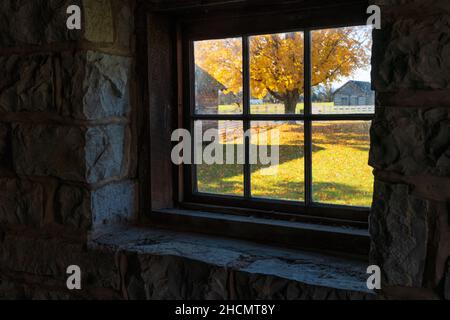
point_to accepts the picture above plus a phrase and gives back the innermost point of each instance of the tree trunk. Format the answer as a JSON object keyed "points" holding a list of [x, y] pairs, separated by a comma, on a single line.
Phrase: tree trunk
{"points": [[290, 103]]}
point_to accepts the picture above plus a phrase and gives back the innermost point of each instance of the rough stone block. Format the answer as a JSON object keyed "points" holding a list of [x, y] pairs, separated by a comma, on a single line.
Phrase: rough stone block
{"points": [[442, 5], [399, 234], [217, 287], [47, 293], [10, 290], [44, 21], [412, 53], [5, 146], [21, 202], [95, 85], [267, 287], [47, 289], [447, 281], [50, 257], [56, 151], [79, 208], [82, 85], [73, 207], [27, 83], [114, 203], [169, 277], [98, 20], [411, 141], [72, 153], [105, 152], [35, 22]]}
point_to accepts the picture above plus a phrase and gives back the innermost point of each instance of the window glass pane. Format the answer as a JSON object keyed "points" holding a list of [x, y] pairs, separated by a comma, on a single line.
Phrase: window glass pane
{"points": [[218, 76], [275, 142], [276, 73], [341, 71], [341, 174], [219, 166]]}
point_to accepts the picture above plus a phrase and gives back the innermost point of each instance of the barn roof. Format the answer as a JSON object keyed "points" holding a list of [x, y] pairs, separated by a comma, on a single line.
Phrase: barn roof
{"points": [[364, 86], [205, 80]]}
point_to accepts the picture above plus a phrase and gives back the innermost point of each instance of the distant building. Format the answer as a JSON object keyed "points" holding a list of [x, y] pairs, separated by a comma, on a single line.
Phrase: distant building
{"points": [[354, 93], [207, 90], [256, 101]]}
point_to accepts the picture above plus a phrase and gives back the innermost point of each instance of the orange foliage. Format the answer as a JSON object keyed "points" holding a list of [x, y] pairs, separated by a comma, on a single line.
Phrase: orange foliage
{"points": [[277, 61]]}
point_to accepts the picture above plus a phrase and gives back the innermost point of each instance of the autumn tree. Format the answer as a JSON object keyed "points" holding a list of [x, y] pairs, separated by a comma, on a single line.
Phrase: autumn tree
{"points": [[277, 61]]}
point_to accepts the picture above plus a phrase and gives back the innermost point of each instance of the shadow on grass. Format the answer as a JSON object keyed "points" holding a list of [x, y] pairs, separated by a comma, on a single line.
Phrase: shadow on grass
{"points": [[225, 171], [213, 172], [355, 141], [327, 192], [354, 134], [228, 178], [323, 192]]}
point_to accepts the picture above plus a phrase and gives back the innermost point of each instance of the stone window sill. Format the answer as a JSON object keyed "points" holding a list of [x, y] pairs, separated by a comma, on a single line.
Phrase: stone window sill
{"points": [[334, 240], [307, 269]]}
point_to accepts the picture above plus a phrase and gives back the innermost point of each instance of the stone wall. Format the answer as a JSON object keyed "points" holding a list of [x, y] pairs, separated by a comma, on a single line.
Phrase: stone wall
{"points": [[410, 151], [66, 143]]}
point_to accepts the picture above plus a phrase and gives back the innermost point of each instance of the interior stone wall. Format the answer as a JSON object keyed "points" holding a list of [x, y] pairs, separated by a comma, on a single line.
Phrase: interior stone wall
{"points": [[68, 153], [66, 143], [410, 151]]}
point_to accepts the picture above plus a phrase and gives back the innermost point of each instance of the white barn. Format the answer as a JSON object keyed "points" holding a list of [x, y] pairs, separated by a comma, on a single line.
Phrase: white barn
{"points": [[354, 93]]}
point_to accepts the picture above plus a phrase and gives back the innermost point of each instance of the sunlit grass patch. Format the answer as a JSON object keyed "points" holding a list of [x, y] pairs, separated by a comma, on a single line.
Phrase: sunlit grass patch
{"points": [[341, 174]]}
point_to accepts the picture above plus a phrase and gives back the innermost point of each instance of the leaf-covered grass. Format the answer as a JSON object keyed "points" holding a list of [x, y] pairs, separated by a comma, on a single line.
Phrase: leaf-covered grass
{"points": [[340, 171]]}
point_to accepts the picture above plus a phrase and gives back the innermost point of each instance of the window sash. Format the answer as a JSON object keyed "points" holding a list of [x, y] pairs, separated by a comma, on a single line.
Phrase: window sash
{"points": [[308, 206]]}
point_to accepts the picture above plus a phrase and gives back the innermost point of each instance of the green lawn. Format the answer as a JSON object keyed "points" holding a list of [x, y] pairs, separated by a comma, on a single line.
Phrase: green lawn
{"points": [[340, 171]]}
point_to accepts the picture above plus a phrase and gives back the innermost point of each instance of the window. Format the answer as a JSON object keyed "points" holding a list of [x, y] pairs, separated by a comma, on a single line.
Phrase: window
{"points": [[300, 94]]}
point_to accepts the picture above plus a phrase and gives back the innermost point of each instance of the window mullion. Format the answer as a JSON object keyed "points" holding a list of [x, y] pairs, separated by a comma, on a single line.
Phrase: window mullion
{"points": [[192, 179], [246, 103], [307, 124]]}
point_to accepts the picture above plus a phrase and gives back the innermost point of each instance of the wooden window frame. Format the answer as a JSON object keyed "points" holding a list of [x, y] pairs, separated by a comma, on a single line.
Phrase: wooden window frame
{"points": [[209, 28], [162, 78]]}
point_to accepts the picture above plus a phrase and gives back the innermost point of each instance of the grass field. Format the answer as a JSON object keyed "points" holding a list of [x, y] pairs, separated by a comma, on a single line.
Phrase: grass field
{"points": [[340, 171]]}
